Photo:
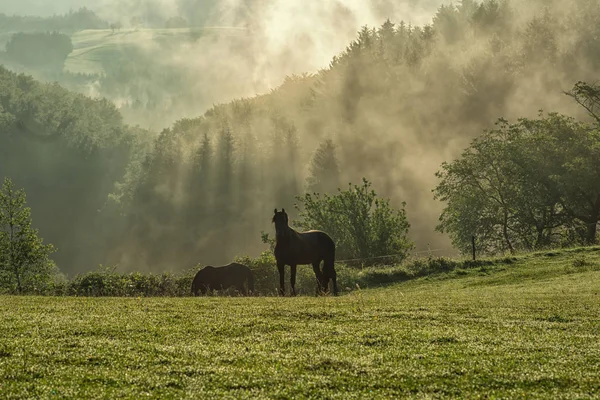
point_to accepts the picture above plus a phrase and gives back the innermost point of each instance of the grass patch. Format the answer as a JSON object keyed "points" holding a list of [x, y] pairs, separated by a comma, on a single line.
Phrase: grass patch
{"points": [[525, 328], [93, 49]]}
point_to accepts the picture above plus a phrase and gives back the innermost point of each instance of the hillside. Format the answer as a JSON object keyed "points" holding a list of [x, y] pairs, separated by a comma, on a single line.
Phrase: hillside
{"points": [[398, 102], [530, 327], [395, 104], [95, 49], [68, 152]]}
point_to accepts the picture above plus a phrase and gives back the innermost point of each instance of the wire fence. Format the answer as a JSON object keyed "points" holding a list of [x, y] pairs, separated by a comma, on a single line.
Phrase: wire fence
{"points": [[389, 256]]}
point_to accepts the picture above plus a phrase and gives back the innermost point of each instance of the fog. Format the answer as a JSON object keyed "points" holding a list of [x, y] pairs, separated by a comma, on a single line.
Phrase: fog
{"points": [[395, 112]]}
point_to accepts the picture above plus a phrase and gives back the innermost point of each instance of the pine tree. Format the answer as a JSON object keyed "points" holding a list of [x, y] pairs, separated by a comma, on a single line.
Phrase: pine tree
{"points": [[223, 207], [200, 189], [224, 163], [324, 170], [292, 187], [24, 259]]}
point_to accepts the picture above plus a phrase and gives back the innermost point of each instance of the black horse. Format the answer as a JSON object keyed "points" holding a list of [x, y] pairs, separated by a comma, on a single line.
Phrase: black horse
{"points": [[221, 278], [298, 248]]}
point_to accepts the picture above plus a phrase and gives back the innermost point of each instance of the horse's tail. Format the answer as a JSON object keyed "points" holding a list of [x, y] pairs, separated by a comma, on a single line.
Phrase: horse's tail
{"points": [[194, 287], [329, 256], [250, 281], [329, 261], [329, 268]]}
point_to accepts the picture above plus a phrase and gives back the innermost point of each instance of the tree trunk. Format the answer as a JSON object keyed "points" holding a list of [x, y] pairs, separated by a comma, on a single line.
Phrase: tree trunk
{"points": [[592, 224], [505, 233], [591, 232], [11, 257]]}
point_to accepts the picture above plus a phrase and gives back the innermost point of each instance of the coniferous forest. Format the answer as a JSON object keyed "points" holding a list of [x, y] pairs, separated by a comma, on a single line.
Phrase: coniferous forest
{"points": [[398, 102]]}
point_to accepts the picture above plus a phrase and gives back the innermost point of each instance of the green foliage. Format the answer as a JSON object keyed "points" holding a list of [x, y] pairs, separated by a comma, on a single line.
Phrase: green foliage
{"points": [[324, 170], [39, 49], [25, 264], [106, 282], [176, 22], [74, 20], [524, 186], [397, 95], [363, 225], [81, 150]]}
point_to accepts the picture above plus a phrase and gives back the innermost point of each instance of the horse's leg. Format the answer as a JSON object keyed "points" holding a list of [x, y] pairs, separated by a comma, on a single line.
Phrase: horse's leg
{"points": [[280, 267], [329, 271], [319, 276], [333, 277], [325, 281], [293, 279]]}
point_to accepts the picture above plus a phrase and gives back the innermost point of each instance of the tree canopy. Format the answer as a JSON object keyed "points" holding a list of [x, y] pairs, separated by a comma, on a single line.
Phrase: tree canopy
{"points": [[528, 185], [25, 264]]}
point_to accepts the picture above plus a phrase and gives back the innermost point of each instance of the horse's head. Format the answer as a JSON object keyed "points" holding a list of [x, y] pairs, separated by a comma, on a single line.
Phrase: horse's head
{"points": [[280, 219]]}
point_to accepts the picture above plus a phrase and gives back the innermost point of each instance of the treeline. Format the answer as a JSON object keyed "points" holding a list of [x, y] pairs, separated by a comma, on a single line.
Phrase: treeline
{"points": [[40, 45], [106, 281], [68, 152], [528, 185], [207, 189], [38, 50], [73, 21], [395, 103], [392, 107]]}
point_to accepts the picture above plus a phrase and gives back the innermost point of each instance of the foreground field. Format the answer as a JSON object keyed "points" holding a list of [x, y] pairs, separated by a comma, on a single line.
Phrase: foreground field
{"points": [[530, 329]]}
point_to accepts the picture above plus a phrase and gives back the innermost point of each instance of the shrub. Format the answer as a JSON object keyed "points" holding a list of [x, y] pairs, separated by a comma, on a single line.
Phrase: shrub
{"points": [[363, 225]]}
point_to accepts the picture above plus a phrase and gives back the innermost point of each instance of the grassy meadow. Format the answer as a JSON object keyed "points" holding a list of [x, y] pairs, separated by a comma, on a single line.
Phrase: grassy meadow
{"points": [[528, 328], [95, 48]]}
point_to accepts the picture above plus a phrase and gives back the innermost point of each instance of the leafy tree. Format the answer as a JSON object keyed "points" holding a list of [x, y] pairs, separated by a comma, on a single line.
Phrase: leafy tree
{"points": [[176, 22], [25, 263], [115, 26], [570, 168], [492, 193], [526, 185], [363, 225], [588, 97], [39, 49], [324, 169]]}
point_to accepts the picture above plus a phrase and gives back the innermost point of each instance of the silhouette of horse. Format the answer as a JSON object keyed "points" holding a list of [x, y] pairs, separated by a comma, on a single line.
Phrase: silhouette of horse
{"points": [[221, 278], [298, 248]]}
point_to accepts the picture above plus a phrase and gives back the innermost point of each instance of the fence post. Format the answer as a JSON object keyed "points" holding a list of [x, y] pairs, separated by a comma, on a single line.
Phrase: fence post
{"points": [[473, 246]]}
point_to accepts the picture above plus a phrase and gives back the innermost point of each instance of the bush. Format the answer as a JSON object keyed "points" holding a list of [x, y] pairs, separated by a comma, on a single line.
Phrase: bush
{"points": [[39, 49], [266, 275], [107, 282], [363, 226]]}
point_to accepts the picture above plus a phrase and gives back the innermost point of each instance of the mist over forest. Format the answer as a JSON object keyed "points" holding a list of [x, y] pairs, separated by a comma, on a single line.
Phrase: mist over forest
{"points": [[155, 143]]}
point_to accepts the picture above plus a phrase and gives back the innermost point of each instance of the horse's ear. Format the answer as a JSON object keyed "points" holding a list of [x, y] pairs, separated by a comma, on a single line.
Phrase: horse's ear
{"points": [[275, 211], [283, 210]]}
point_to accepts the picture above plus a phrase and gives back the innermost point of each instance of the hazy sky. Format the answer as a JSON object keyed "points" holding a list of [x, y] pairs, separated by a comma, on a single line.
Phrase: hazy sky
{"points": [[415, 11], [42, 7]]}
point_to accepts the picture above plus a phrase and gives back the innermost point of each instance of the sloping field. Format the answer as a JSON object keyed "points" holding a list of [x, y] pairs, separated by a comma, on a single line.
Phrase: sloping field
{"points": [[94, 48], [530, 328]]}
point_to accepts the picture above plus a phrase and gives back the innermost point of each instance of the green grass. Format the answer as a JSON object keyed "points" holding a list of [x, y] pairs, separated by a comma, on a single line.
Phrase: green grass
{"points": [[525, 328], [95, 48]]}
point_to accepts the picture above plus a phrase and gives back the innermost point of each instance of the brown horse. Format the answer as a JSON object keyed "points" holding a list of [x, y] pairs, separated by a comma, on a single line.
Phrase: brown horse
{"points": [[299, 248], [221, 278]]}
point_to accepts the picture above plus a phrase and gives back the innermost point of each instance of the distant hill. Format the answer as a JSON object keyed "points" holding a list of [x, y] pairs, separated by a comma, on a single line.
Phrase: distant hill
{"points": [[73, 21], [94, 49]]}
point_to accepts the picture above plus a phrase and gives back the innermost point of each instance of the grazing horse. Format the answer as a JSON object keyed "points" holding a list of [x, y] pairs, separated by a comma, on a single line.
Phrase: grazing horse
{"points": [[220, 278], [298, 248]]}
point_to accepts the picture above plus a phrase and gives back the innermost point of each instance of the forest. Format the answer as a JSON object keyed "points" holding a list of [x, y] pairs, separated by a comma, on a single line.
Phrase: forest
{"points": [[398, 105]]}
